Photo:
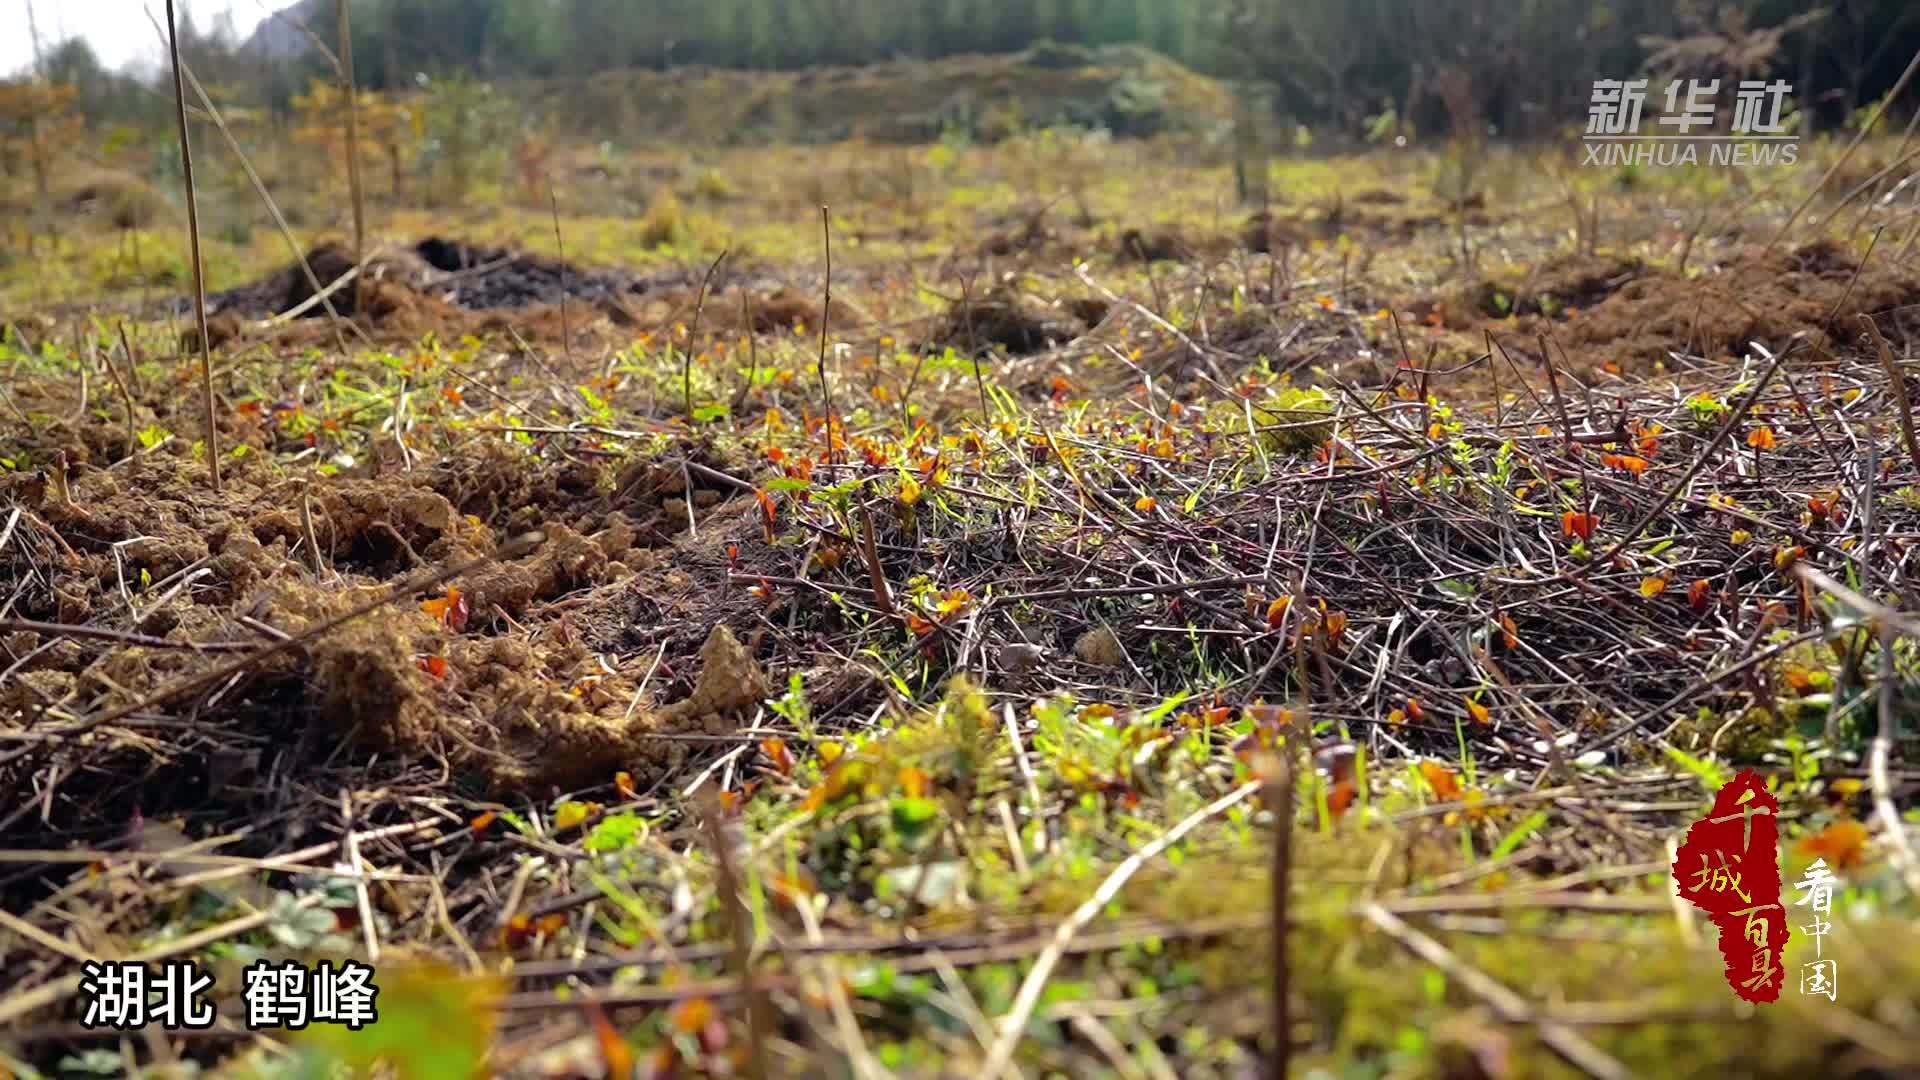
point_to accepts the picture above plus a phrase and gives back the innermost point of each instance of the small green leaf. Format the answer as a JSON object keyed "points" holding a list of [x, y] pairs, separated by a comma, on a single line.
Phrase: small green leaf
{"points": [[1710, 774], [1512, 841], [615, 832], [912, 815]]}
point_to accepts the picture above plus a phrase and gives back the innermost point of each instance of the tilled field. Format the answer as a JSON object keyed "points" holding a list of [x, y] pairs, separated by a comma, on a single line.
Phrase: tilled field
{"points": [[718, 675]]}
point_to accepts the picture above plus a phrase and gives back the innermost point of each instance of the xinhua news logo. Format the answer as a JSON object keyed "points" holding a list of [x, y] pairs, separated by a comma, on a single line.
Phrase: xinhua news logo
{"points": [[1688, 131]]}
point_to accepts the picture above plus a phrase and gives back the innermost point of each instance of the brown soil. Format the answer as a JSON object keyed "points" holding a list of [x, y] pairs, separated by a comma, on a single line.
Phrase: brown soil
{"points": [[1626, 318], [1006, 320], [1159, 245], [452, 288], [1024, 231], [449, 272], [1264, 233], [1571, 283], [403, 271], [524, 699], [1379, 216]]}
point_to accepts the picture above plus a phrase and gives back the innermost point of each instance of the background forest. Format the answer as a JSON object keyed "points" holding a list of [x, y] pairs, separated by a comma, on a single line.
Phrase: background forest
{"points": [[1525, 67]]}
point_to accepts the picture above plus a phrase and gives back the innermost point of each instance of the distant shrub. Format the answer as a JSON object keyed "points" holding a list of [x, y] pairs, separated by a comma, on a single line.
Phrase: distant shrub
{"points": [[713, 184], [665, 222], [1136, 107], [121, 198], [1052, 54]]}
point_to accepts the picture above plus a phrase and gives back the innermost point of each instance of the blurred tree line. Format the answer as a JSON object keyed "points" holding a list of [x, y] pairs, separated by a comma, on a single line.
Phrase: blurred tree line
{"points": [[1515, 67]]}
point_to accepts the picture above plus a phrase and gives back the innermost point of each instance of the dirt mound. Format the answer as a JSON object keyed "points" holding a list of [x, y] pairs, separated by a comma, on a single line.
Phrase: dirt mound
{"points": [[124, 199], [290, 287], [1627, 318], [331, 262], [454, 288], [508, 690], [440, 274], [1568, 284], [538, 711], [1812, 291], [1162, 244], [453, 256], [1006, 320], [487, 278]]}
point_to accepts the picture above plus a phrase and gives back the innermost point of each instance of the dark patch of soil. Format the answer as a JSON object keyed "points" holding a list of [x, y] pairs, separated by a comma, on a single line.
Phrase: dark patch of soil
{"points": [[1575, 282], [1022, 232], [446, 272], [1091, 310], [1006, 320], [495, 278], [331, 262], [1156, 245], [452, 256], [1031, 236]]}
